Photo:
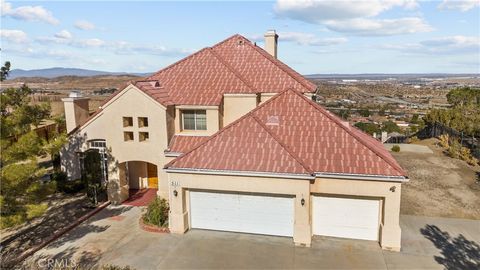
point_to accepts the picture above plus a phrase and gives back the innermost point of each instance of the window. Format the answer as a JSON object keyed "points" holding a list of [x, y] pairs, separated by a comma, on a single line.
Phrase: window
{"points": [[127, 121], [142, 122], [127, 136], [143, 136], [194, 119], [101, 146]]}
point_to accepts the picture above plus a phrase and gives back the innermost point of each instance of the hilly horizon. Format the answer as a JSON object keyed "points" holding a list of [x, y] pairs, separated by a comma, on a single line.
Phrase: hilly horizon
{"points": [[63, 71]]}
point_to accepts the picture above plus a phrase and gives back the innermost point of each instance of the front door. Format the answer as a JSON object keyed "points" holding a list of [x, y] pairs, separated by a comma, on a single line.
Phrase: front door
{"points": [[152, 176]]}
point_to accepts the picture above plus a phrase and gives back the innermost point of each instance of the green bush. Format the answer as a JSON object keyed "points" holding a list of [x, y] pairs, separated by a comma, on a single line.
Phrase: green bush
{"points": [[157, 213], [396, 148], [36, 210], [11, 220]]}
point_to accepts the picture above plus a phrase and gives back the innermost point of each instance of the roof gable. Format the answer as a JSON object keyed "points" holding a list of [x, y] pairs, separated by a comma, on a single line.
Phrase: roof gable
{"points": [[306, 135]]}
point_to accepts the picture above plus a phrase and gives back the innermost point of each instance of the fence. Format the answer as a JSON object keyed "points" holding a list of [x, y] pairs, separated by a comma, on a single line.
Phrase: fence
{"points": [[436, 129]]}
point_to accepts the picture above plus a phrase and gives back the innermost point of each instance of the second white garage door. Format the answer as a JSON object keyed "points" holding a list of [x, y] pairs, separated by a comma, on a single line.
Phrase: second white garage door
{"points": [[246, 213], [344, 217]]}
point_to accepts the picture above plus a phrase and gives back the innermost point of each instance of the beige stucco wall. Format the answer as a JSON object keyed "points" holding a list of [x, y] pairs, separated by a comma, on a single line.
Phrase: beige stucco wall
{"points": [[390, 234], [137, 174], [182, 183], [108, 125], [266, 96], [213, 120], [237, 105]]}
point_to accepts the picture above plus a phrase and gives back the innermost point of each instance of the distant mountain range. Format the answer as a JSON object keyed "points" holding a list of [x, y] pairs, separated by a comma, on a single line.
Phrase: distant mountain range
{"points": [[60, 71]]}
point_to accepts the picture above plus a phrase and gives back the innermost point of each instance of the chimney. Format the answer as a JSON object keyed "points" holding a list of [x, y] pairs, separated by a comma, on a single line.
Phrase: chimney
{"points": [[271, 40], [76, 110]]}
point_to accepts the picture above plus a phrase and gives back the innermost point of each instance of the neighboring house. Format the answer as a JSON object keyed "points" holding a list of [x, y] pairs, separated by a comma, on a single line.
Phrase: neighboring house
{"points": [[238, 159]]}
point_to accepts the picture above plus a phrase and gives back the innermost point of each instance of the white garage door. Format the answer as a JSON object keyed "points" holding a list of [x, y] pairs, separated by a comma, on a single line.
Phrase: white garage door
{"points": [[242, 213], [349, 218]]}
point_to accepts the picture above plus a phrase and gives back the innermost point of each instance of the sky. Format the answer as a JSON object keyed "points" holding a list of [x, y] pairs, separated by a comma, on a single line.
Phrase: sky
{"points": [[343, 37]]}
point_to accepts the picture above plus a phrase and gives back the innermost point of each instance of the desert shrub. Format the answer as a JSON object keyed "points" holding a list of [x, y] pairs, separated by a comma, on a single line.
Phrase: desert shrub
{"points": [[454, 149], [157, 213], [466, 155], [36, 210], [444, 141], [11, 220], [396, 148]]}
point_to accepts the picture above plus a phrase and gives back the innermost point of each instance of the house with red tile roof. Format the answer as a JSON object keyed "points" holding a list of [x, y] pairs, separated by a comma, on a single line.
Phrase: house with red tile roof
{"points": [[231, 136]]}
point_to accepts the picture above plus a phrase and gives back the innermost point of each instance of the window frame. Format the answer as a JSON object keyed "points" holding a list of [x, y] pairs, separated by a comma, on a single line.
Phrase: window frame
{"points": [[142, 121], [195, 118], [128, 120], [125, 136], [145, 138]]}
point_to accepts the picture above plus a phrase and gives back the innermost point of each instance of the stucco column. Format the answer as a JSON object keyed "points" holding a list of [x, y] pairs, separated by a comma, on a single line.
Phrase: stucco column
{"points": [[302, 235], [117, 187], [391, 235], [178, 218]]}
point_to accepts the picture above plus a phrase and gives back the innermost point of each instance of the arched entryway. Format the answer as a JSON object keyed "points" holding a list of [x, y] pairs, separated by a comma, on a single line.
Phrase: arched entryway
{"points": [[141, 175], [142, 180]]}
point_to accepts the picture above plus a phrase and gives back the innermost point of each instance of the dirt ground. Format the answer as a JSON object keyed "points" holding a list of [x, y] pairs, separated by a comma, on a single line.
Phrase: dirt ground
{"points": [[62, 210], [439, 186]]}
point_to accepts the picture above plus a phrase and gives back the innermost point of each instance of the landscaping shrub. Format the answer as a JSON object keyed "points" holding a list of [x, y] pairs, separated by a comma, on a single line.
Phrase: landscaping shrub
{"points": [[396, 148], [157, 213], [40, 191], [36, 210], [444, 141], [11, 220]]}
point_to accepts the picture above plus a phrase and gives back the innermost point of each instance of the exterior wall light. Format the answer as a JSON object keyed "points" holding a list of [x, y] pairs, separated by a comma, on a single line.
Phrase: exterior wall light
{"points": [[175, 193], [302, 201], [392, 189]]}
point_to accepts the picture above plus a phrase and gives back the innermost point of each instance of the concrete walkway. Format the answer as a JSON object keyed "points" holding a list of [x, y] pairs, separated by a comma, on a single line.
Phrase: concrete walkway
{"points": [[114, 237]]}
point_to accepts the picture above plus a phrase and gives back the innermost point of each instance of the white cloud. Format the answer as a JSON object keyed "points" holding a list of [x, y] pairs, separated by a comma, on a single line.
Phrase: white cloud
{"points": [[384, 27], [92, 42], [461, 5], [438, 46], [302, 38], [126, 48], [321, 10], [353, 17], [16, 36], [64, 34], [28, 13], [84, 25]]}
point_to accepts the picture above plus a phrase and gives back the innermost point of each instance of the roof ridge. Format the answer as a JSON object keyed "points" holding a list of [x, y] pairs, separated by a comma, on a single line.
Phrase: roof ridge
{"points": [[226, 127], [275, 61], [231, 69], [290, 152], [361, 140]]}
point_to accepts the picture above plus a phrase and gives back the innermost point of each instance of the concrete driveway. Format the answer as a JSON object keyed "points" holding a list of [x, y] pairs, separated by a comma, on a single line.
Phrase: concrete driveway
{"points": [[113, 237]]}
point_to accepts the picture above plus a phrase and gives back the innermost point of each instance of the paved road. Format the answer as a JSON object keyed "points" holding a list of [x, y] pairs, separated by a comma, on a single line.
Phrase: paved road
{"points": [[428, 243]]}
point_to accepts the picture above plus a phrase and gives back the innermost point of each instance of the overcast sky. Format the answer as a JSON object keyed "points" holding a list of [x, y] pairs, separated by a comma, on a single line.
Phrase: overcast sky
{"points": [[393, 36]]}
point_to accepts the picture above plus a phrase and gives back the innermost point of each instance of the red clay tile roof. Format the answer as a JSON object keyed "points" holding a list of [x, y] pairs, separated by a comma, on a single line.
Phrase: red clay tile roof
{"points": [[182, 143], [234, 65], [291, 134]]}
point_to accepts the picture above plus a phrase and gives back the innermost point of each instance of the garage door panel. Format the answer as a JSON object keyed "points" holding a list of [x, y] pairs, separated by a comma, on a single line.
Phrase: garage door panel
{"points": [[241, 213], [345, 217]]}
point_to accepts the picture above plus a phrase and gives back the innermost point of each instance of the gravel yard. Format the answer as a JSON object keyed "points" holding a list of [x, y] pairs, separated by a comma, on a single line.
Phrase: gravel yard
{"points": [[439, 186]]}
